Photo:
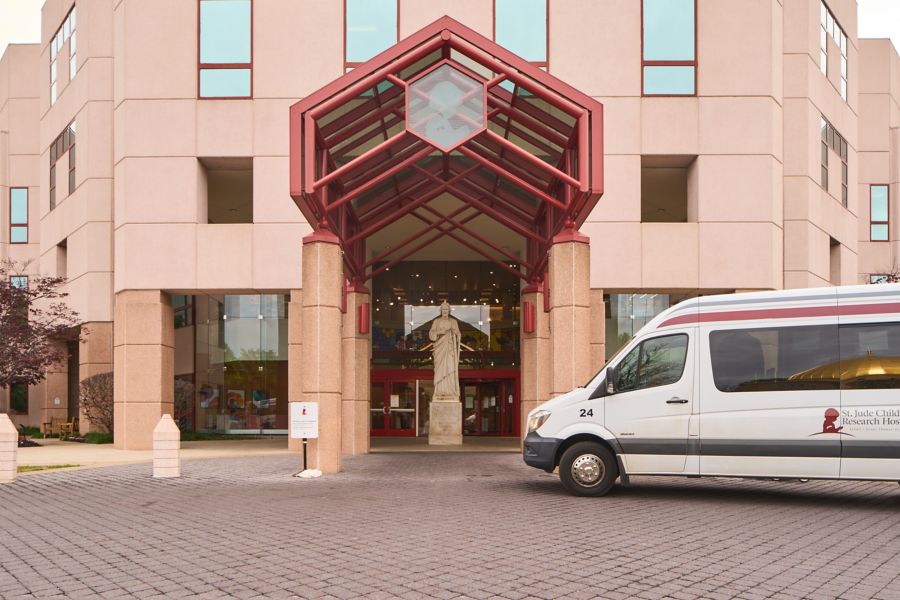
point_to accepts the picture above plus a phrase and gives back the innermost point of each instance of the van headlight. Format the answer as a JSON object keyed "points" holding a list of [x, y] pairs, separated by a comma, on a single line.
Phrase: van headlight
{"points": [[537, 419]]}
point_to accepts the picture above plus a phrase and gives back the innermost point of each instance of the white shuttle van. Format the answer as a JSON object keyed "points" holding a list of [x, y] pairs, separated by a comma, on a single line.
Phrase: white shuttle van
{"points": [[788, 384]]}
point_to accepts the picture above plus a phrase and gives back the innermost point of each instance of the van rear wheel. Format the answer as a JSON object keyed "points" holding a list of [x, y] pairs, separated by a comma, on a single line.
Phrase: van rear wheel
{"points": [[588, 469]]}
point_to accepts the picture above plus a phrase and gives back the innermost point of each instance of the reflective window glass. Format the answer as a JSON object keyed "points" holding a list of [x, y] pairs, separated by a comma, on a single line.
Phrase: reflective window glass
{"points": [[668, 80], [870, 356], [668, 29], [879, 196], [371, 28], [775, 358], [662, 360], [521, 27], [626, 371], [19, 281], [879, 232], [224, 31], [18, 209], [224, 83]]}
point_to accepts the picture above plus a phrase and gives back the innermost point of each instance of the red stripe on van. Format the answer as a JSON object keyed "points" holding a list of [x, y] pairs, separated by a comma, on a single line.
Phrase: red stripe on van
{"points": [[785, 313]]}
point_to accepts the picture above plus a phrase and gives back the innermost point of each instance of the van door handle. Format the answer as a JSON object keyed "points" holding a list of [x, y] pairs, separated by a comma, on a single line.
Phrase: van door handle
{"points": [[676, 400]]}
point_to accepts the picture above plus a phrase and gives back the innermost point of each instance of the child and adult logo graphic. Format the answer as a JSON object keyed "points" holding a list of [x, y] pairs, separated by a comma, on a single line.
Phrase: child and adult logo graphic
{"points": [[830, 424]]}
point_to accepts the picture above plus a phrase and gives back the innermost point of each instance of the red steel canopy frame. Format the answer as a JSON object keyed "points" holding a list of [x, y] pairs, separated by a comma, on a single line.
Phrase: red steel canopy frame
{"points": [[446, 111]]}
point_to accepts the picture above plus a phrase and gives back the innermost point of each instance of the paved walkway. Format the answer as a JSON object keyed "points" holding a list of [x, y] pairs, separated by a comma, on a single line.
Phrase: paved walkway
{"points": [[56, 452], [436, 525]]}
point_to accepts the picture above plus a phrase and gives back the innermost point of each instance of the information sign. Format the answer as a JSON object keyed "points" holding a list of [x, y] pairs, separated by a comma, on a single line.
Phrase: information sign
{"points": [[304, 420]]}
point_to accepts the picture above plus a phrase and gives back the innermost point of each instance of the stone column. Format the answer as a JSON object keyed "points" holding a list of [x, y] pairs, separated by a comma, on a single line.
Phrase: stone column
{"points": [[356, 350], [570, 312], [598, 330], [144, 360], [95, 356], [320, 369], [295, 357], [535, 351]]}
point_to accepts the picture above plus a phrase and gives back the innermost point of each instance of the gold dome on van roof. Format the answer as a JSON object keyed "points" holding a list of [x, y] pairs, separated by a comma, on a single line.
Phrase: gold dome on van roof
{"points": [[861, 367]]}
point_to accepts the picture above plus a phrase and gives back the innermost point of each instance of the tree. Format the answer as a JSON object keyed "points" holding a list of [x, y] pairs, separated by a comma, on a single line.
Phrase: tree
{"points": [[32, 317], [891, 276], [96, 394]]}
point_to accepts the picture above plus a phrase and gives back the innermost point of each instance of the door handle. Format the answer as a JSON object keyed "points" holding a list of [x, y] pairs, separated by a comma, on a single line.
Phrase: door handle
{"points": [[676, 400]]}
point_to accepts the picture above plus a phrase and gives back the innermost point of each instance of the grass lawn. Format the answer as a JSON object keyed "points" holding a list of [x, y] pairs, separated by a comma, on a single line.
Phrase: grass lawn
{"points": [[32, 468]]}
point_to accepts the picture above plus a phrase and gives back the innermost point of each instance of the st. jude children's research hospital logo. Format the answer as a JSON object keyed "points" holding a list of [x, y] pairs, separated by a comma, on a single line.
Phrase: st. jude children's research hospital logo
{"points": [[862, 419]]}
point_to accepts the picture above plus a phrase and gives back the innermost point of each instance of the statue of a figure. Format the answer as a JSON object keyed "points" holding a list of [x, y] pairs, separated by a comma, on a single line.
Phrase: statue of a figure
{"points": [[444, 333]]}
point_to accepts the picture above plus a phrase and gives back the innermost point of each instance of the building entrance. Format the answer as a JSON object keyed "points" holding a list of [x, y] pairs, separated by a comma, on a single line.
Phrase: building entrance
{"points": [[399, 403]]}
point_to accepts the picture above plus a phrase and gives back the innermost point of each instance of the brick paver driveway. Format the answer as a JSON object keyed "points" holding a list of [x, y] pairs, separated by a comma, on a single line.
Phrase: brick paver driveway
{"points": [[439, 526]]}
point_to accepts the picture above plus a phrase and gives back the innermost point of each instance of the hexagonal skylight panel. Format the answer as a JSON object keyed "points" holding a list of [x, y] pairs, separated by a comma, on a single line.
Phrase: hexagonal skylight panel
{"points": [[446, 107]]}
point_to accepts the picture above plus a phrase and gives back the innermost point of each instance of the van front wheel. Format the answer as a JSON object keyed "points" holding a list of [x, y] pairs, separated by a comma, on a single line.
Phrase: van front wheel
{"points": [[588, 469]]}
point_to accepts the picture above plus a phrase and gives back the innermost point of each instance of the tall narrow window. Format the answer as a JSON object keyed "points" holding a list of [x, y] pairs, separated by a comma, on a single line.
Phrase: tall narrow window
{"points": [[831, 28], [669, 43], [371, 27], [880, 213], [18, 398], [65, 33], [226, 49], [834, 140], [520, 26], [18, 215], [64, 142]]}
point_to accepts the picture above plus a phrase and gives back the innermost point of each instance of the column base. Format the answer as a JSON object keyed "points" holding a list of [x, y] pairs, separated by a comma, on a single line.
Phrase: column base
{"points": [[445, 421]]}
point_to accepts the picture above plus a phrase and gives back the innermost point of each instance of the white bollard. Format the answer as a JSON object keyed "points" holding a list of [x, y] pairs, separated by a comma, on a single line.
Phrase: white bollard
{"points": [[9, 448], [166, 448]]}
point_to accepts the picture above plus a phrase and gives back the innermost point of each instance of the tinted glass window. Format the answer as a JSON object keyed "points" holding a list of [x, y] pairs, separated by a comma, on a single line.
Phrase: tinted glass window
{"points": [[870, 356], [775, 358], [371, 28], [521, 27], [669, 80], [658, 361], [662, 360], [626, 371], [220, 83]]}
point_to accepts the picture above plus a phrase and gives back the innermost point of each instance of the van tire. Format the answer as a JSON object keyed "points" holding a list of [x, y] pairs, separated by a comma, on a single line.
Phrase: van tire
{"points": [[588, 469]]}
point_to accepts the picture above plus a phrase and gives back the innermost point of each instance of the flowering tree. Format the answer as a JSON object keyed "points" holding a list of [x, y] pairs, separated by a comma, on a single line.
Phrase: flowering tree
{"points": [[32, 317], [96, 395]]}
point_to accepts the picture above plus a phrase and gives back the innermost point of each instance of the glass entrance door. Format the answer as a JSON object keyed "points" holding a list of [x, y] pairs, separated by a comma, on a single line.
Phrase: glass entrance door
{"points": [[392, 408], [488, 408]]}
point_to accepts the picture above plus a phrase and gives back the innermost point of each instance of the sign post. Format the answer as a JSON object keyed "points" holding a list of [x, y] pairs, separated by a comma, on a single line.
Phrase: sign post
{"points": [[304, 425]]}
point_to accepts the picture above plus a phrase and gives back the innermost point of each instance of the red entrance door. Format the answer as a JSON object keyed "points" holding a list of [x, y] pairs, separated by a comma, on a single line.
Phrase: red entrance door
{"points": [[392, 408], [489, 407]]}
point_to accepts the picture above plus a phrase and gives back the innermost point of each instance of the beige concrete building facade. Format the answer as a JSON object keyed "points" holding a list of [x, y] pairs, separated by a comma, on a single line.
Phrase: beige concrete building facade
{"points": [[742, 143]]}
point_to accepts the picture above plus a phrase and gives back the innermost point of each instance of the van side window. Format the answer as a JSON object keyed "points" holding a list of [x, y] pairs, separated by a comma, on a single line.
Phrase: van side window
{"points": [[657, 361], [775, 358], [870, 356]]}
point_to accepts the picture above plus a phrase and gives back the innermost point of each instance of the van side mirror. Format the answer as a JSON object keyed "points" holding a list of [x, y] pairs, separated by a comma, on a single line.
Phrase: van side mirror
{"points": [[604, 389], [610, 388]]}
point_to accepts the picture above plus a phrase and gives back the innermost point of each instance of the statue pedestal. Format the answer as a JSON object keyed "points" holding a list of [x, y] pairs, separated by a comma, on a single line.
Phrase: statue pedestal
{"points": [[445, 421]]}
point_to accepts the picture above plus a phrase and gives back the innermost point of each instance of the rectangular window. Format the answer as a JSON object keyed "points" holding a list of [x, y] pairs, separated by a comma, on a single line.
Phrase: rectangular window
{"points": [[226, 49], [879, 279], [183, 307], [521, 27], [65, 33], [834, 140], [19, 281], [829, 27], [658, 361], [64, 142], [669, 47], [18, 399], [371, 27], [775, 358], [18, 215], [879, 214], [868, 355]]}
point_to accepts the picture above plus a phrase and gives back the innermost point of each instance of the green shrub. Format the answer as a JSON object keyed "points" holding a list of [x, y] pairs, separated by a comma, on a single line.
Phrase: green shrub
{"points": [[32, 432], [96, 437]]}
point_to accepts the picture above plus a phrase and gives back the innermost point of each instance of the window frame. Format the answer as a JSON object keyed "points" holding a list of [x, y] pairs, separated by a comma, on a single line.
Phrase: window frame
{"points": [[872, 221], [832, 138], [348, 66], [57, 41], [545, 64], [14, 277], [201, 66], [61, 144], [26, 224], [669, 63], [826, 13]]}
